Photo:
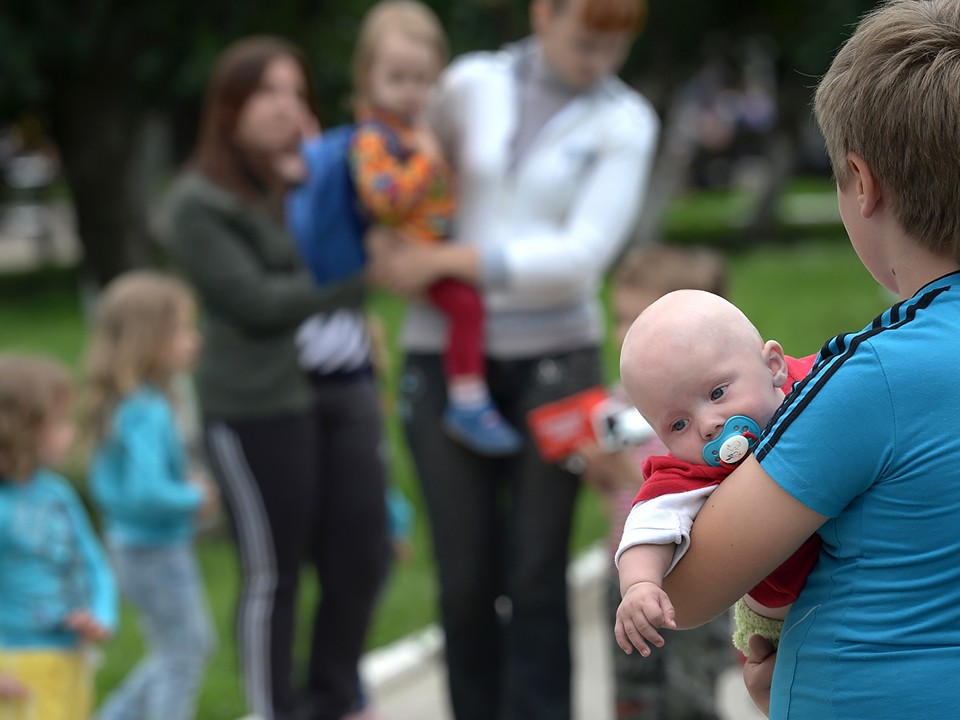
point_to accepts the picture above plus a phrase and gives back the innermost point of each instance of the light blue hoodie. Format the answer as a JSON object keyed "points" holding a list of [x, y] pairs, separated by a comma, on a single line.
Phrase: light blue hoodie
{"points": [[51, 563], [138, 476]]}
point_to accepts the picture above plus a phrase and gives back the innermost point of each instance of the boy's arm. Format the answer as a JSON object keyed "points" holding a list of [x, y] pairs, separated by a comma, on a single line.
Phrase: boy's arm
{"points": [[758, 672], [746, 528], [389, 188], [645, 606]]}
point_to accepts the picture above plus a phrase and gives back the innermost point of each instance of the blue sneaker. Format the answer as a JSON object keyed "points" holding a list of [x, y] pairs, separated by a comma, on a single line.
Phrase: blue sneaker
{"points": [[482, 429]]}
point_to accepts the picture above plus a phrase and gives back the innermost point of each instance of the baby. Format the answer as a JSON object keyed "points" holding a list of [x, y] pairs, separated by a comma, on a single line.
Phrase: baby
{"points": [[404, 182], [703, 377]]}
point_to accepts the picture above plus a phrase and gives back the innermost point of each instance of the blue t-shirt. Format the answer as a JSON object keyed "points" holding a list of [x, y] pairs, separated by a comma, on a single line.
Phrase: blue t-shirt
{"points": [[870, 439], [51, 563], [138, 476]]}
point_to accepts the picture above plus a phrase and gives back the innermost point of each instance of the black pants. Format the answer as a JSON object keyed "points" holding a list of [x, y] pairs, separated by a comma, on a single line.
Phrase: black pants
{"points": [[501, 528], [305, 487]]}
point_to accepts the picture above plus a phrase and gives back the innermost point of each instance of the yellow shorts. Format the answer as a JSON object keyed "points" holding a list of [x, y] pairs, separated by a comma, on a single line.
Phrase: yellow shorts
{"points": [[60, 683]]}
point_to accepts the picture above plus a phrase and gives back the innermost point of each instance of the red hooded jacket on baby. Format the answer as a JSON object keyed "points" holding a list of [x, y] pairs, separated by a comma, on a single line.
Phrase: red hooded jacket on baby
{"points": [[666, 475]]}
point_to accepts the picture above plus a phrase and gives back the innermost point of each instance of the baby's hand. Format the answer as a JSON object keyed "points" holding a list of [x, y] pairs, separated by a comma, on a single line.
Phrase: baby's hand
{"points": [[84, 624], [644, 608], [11, 689]]}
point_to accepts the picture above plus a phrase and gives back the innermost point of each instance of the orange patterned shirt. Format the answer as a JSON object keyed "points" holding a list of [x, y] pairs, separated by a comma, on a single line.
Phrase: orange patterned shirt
{"points": [[398, 185]]}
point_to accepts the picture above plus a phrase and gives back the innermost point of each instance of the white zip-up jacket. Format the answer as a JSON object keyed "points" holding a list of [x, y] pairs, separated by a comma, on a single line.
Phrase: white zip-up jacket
{"points": [[549, 227]]}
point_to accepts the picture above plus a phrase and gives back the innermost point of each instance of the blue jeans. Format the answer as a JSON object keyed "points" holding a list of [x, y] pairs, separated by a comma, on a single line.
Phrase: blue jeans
{"points": [[165, 587], [501, 530]]}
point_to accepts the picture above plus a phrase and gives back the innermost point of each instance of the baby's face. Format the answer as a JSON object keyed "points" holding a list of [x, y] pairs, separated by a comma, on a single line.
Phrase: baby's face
{"points": [[688, 396], [402, 75]]}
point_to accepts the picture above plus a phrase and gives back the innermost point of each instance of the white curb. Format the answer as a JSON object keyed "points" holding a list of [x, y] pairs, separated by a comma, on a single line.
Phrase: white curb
{"points": [[393, 662]]}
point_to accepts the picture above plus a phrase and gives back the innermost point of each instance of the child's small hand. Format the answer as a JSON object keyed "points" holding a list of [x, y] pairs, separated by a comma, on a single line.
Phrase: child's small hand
{"points": [[11, 689], [644, 608], [84, 624]]}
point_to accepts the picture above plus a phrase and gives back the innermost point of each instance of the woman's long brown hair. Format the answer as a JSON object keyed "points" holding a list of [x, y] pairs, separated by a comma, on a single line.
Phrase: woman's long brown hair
{"points": [[236, 76]]}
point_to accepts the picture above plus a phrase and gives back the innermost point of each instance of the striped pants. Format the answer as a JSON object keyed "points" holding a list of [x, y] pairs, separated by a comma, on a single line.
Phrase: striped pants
{"points": [[300, 488]]}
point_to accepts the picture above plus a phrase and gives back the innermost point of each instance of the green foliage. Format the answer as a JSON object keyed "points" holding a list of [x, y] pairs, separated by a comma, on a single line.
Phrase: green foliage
{"points": [[40, 313], [803, 36]]}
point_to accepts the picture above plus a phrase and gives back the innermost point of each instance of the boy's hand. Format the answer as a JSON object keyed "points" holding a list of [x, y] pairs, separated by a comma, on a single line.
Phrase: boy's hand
{"points": [[11, 689], [644, 608], [758, 671], [84, 624]]}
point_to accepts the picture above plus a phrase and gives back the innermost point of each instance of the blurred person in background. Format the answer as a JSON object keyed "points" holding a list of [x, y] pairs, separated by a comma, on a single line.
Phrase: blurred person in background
{"points": [[226, 231], [552, 154]]}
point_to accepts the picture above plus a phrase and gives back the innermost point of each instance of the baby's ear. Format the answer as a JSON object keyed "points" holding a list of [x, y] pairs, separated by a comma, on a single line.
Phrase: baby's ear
{"points": [[773, 357]]}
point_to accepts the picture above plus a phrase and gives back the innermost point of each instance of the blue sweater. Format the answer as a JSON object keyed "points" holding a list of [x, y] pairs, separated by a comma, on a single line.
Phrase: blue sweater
{"points": [[138, 476], [51, 563]]}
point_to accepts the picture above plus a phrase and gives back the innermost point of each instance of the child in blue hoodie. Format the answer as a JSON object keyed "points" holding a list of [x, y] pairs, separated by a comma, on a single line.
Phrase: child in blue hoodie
{"points": [[57, 592], [144, 336]]}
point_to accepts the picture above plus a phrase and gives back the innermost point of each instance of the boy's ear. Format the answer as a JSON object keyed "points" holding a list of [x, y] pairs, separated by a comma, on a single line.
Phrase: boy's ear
{"points": [[773, 356], [866, 186]]}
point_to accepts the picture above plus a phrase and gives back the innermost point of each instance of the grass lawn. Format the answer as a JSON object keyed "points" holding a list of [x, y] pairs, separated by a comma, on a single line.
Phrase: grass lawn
{"points": [[800, 293]]}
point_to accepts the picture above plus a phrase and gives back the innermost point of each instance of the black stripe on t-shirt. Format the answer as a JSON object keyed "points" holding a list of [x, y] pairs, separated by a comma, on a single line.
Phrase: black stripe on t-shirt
{"points": [[841, 349]]}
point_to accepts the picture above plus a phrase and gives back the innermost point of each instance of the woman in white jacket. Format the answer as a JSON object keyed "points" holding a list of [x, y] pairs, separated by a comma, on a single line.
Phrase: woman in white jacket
{"points": [[552, 154]]}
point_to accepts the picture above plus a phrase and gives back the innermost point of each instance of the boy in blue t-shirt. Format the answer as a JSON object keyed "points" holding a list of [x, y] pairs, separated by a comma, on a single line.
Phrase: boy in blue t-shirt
{"points": [[865, 452]]}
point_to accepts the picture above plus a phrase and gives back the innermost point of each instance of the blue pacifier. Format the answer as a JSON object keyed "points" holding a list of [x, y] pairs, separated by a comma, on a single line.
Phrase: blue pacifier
{"points": [[739, 435]]}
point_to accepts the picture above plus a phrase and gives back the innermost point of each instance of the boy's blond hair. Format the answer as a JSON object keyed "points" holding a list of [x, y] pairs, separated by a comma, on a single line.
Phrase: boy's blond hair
{"points": [[411, 19], [662, 269], [133, 328], [892, 95], [32, 389]]}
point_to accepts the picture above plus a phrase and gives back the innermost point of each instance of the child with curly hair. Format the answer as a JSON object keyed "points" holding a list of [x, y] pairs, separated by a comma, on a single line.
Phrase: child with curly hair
{"points": [[57, 592]]}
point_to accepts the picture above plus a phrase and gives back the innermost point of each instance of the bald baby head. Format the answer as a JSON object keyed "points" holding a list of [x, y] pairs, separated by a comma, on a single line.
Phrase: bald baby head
{"points": [[692, 353], [681, 320]]}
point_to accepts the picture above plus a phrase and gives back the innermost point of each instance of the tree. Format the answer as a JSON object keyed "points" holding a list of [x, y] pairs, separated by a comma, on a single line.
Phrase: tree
{"points": [[97, 71], [799, 38], [100, 71]]}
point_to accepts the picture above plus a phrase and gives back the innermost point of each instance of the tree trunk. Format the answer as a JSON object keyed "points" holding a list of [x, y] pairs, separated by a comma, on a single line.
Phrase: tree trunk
{"points": [[97, 131]]}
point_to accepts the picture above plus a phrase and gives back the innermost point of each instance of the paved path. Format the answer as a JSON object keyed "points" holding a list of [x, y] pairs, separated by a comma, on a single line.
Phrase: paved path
{"points": [[408, 679]]}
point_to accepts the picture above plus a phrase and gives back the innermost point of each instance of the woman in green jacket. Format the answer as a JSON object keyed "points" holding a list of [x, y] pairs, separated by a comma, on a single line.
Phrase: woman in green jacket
{"points": [[226, 232]]}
